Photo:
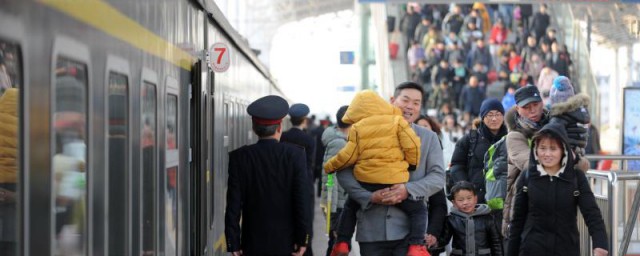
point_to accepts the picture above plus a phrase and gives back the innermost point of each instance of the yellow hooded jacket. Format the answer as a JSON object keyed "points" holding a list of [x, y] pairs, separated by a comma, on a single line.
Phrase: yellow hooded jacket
{"points": [[484, 15], [381, 144], [9, 136]]}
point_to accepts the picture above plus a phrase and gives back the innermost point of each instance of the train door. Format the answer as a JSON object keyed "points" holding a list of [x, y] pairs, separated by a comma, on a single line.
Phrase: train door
{"points": [[198, 172]]}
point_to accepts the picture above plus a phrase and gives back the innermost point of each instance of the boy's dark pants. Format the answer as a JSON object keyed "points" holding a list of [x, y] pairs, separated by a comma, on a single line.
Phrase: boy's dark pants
{"points": [[416, 211]]}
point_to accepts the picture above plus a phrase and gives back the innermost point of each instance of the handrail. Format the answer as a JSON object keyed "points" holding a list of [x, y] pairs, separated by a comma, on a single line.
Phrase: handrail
{"points": [[613, 177], [612, 157]]}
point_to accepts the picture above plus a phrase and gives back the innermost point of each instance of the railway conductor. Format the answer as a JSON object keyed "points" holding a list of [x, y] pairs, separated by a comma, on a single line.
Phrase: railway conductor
{"points": [[269, 188], [298, 117], [297, 136]]}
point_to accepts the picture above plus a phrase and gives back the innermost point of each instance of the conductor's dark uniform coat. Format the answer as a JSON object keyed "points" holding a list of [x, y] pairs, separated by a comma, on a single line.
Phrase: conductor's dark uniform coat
{"points": [[268, 190], [302, 139]]}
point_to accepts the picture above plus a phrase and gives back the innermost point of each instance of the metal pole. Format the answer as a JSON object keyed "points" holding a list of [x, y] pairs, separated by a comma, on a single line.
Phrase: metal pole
{"points": [[631, 222], [611, 157], [589, 24], [365, 15], [613, 212]]}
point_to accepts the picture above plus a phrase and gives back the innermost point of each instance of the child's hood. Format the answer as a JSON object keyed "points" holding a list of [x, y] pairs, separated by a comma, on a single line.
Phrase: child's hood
{"points": [[368, 103], [574, 103], [481, 209]]}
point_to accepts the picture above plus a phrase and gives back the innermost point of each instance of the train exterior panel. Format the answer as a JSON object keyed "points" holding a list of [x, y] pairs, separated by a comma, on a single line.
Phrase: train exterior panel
{"points": [[124, 129]]}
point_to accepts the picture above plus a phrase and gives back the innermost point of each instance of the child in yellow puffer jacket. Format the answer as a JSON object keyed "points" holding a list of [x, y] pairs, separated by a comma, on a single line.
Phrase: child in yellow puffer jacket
{"points": [[384, 148]]}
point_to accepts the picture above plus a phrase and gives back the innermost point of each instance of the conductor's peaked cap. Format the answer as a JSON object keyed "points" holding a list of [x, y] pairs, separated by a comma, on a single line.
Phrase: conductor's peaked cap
{"points": [[298, 110], [268, 110]]}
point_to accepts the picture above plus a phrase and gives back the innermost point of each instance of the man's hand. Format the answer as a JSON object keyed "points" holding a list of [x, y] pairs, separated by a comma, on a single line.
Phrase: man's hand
{"points": [[237, 253], [600, 252], [300, 251], [397, 193], [378, 196]]}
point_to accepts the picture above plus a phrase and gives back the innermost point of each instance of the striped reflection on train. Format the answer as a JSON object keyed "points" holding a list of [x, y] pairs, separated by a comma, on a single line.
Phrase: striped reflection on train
{"points": [[114, 140], [69, 155]]}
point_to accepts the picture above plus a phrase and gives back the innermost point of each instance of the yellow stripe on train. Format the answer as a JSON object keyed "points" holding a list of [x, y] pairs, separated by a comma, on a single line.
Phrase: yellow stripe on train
{"points": [[108, 19]]}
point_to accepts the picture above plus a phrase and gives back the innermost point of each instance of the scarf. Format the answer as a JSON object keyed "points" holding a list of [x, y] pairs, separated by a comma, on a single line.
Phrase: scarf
{"points": [[527, 126]]}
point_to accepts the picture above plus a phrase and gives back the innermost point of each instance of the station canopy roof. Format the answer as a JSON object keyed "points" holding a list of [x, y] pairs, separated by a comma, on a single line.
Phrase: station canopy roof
{"points": [[257, 21]]}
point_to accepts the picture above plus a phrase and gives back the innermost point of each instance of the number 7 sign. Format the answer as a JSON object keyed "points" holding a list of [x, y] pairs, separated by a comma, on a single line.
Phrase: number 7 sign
{"points": [[219, 59]]}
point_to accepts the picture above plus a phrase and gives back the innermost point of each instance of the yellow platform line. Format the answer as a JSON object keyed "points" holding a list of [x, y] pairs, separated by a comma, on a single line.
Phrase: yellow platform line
{"points": [[108, 19]]}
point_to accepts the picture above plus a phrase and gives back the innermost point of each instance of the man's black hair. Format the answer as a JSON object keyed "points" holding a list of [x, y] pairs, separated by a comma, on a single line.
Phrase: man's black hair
{"points": [[407, 85], [462, 185], [341, 111], [295, 121], [265, 130]]}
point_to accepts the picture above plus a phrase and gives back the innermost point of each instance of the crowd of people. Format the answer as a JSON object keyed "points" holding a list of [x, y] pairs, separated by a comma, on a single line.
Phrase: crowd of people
{"points": [[508, 155], [389, 164], [462, 54]]}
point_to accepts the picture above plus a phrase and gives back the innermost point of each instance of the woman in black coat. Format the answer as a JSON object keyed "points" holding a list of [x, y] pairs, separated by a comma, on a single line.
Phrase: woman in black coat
{"points": [[548, 195], [467, 161]]}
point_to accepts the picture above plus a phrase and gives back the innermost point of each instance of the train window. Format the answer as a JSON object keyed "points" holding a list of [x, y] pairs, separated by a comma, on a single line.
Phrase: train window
{"points": [[172, 163], [10, 171], [70, 156], [117, 139], [149, 135]]}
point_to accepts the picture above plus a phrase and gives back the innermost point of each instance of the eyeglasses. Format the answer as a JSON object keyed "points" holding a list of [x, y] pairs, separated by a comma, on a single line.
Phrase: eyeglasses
{"points": [[492, 116]]}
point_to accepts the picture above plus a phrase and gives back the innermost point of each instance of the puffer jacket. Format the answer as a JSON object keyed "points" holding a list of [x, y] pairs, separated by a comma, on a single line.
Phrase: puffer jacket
{"points": [[333, 140], [9, 136], [545, 213], [473, 234], [517, 158], [381, 143], [574, 116], [467, 161]]}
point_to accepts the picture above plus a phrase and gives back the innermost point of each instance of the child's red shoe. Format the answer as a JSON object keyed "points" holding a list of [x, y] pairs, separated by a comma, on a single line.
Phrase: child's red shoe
{"points": [[340, 249], [417, 250]]}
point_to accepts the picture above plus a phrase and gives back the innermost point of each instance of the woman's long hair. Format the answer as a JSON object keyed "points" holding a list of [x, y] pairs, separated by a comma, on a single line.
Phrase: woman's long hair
{"points": [[435, 126]]}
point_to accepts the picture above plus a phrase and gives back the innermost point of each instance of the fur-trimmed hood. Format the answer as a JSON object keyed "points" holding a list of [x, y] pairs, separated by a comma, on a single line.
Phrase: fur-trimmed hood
{"points": [[572, 104], [510, 118]]}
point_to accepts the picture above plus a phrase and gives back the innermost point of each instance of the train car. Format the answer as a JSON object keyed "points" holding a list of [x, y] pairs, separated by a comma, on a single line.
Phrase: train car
{"points": [[114, 129]]}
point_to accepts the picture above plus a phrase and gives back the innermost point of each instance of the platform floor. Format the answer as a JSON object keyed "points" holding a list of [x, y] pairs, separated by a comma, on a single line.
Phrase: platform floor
{"points": [[320, 238]]}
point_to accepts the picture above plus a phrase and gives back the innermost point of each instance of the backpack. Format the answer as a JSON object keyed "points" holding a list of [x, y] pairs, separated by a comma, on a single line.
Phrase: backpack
{"points": [[495, 174]]}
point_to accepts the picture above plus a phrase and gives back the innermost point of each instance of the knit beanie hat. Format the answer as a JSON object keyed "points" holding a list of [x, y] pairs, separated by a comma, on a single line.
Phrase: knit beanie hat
{"points": [[490, 104], [561, 90], [339, 116]]}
